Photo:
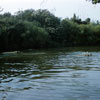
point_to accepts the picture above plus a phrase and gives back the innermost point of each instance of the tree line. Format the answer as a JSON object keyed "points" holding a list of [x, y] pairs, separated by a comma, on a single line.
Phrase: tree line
{"points": [[35, 29]]}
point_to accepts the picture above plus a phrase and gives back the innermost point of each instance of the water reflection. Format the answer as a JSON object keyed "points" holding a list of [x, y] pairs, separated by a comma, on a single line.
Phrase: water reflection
{"points": [[54, 74]]}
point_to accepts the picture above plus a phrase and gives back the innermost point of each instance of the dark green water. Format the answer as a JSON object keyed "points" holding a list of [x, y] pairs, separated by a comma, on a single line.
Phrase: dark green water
{"points": [[58, 74]]}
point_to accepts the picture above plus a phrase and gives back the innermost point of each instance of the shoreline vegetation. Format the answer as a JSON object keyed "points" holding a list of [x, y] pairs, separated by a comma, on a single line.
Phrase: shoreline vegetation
{"points": [[36, 29]]}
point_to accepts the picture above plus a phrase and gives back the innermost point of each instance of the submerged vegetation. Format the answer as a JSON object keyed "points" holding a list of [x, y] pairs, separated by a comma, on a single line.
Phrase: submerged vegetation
{"points": [[34, 29]]}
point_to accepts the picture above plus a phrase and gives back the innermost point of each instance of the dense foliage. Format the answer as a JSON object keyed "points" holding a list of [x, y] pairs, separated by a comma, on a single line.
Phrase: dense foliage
{"points": [[32, 29], [95, 1]]}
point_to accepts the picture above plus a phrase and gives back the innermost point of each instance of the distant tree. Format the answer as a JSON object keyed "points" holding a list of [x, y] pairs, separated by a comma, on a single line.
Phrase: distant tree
{"points": [[88, 20], [46, 18], [26, 15], [76, 19], [7, 14]]}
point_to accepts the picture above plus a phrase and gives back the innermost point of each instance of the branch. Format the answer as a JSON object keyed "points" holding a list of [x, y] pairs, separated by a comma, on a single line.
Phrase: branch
{"points": [[1, 9]]}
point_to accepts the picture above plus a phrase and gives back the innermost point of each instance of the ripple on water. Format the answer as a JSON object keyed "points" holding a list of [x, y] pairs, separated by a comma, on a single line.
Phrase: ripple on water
{"points": [[56, 75]]}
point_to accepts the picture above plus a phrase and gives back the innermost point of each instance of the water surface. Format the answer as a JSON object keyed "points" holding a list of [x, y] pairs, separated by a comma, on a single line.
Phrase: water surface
{"points": [[55, 74]]}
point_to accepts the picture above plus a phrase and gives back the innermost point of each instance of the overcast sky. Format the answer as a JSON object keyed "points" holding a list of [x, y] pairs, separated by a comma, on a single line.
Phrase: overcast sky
{"points": [[61, 8]]}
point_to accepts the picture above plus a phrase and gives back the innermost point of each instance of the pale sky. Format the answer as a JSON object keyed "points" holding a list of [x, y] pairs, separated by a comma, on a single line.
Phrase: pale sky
{"points": [[61, 8]]}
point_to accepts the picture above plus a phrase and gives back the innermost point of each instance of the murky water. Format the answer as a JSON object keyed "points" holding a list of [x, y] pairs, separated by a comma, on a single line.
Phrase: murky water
{"points": [[58, 74]]}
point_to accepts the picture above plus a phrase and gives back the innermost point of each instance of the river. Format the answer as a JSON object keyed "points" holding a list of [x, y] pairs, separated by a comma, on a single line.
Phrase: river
{"points": [[53, 74]]}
